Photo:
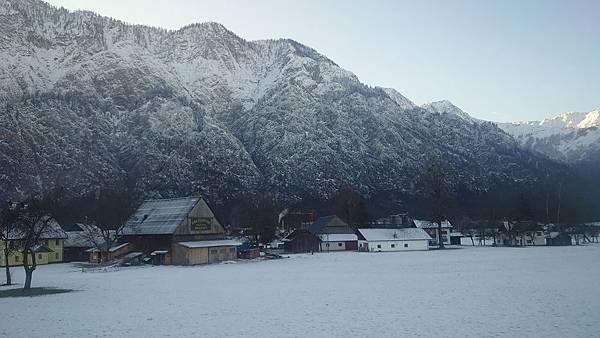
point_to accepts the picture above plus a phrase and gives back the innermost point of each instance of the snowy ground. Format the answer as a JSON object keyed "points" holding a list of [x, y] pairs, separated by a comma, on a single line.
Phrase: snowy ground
{"points": [[470, 292]]}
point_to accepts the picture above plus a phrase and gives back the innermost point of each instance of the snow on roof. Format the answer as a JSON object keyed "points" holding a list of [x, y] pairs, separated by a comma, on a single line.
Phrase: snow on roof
{"points": [[113, 249], [159, 252], [208, 244], [430, 225], [161, 216], [404, 234], [338, 237], [456, 234], [52, 230]]}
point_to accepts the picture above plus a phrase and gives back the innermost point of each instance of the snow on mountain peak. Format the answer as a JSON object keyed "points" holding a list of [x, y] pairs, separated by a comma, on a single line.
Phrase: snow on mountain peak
{"points": [[446, 107]]}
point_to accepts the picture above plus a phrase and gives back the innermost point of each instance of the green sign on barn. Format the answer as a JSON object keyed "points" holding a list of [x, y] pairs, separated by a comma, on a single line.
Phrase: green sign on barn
{"points": [[201, 223]]}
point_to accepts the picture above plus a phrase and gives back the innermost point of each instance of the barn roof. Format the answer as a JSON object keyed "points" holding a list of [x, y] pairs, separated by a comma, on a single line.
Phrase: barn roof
{"points": [[160, 216], [402, 234], [330, 225]]}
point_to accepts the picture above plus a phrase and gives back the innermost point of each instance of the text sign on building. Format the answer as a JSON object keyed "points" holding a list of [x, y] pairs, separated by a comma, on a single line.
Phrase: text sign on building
{"points": [[201, 223]]}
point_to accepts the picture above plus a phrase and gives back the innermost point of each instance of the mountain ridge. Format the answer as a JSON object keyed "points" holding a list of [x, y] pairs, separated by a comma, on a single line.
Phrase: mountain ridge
{"points": [[201, 110]]}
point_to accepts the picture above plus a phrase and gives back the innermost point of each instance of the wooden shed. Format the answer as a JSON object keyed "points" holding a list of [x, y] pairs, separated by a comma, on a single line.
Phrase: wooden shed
{"points": [[204, 252]]}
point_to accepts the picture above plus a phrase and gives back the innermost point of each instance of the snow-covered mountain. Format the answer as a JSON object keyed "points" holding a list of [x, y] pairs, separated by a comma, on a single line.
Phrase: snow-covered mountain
{"points": [[447, 107], [85, 98], [571, 137]]}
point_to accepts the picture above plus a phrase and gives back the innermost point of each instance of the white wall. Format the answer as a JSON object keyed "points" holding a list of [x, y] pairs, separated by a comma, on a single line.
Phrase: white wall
{"points": [[333, 246], [376, 246]]}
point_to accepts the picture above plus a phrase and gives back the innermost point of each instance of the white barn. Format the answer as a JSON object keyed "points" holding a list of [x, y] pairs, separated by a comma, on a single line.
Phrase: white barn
{"points": [[403, 239]]}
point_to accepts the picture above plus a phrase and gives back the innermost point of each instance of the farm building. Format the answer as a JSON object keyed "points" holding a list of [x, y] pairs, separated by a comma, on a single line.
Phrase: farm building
{"points": [[182, 231], [432, 230], [334, 234], [80, 239], [49, 248], [405, 239], [301, 240]]}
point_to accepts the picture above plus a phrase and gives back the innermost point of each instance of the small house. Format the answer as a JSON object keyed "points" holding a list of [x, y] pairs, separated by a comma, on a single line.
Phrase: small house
{"points": [[403, 239], [180, 231], [49, 248], [432, 230], [334, 234]]}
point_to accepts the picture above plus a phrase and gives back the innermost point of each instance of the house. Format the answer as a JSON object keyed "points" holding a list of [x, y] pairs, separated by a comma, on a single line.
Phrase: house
{"points": [[404, 239], [521, 233], [334, 234], [49, 248], [432, 230], [301, 240], [181, 231]]}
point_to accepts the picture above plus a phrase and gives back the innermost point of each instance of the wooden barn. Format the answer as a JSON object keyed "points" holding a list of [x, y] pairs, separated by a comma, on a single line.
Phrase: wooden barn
{"points": [[182, 231], [301, 240]]}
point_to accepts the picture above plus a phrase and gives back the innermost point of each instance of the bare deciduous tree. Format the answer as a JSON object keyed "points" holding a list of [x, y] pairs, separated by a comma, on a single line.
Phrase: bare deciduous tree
{"points": [[8, 223]]}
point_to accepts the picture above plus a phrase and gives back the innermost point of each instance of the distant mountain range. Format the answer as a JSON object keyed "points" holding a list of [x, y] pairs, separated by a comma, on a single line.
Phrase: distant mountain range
{"points": [[199, 110], [571, 137]]}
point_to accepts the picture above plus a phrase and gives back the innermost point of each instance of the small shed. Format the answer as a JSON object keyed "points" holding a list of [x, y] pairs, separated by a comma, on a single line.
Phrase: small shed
{"points": [[204, 252], [403, 239]]}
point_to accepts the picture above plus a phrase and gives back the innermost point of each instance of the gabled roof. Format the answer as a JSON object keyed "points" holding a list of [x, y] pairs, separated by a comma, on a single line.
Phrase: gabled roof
{"points": [[430, 225], [51, 231], [160, 216], [330, 225], [402, 234]]}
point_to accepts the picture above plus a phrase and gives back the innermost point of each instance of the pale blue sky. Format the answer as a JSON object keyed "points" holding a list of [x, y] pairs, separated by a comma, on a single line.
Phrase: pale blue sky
{"points": [[498, 60]]}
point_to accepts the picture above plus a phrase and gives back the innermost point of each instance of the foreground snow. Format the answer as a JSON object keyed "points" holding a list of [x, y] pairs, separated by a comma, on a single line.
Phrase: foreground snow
{"points": [[471, 292]]}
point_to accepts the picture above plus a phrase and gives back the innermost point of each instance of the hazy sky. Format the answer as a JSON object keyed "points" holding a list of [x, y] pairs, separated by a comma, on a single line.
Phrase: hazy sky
{"points": [[498, 60]]}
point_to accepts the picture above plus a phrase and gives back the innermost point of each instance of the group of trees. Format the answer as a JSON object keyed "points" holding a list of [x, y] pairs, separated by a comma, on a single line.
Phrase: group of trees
{"points": [[24, 224]]}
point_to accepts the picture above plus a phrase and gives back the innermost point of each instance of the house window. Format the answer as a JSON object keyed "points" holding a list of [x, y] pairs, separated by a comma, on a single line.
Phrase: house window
{"points": [[39, 256], [539, 233], [56, 255], [231, 250], [340, 244], [393, 246], [327, 245], [528, 241], [378, 246], [56, 242], [16, 258], [406, 245]]}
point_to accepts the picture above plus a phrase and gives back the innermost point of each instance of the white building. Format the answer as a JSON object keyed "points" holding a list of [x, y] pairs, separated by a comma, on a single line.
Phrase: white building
{"points": [[403, 239], [338, 242], [432, 229]]}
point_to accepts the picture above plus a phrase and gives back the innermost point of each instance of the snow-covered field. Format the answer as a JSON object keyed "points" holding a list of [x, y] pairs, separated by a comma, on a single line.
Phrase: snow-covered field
{"points": [[470, 292]]}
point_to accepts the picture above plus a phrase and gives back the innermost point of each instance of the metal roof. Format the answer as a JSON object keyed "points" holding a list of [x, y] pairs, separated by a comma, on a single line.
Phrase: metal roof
{"points": [[208, 244], [161, 216], [402, 234]]}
